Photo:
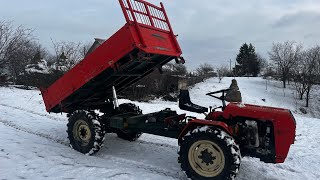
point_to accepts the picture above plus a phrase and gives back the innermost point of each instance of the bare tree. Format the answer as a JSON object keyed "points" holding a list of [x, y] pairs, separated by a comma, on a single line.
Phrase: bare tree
{"points": [[285, 56], [300, 86], [310, 70], [318, 71], [205, 70], [68, 54], [17, 48], [175, 69], [222, 72], [10, 38], [262, 62], [84, 48], [21, 57], [6, 36], [306, 73], [299, 80]]}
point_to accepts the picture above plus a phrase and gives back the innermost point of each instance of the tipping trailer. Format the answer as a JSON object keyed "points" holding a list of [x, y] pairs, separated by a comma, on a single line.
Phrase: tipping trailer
{"points": [[209, 148], [143, 44]]}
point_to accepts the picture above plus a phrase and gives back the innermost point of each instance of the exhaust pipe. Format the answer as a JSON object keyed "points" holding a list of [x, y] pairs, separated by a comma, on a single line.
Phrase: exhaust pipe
{"points": [[115, 98]]}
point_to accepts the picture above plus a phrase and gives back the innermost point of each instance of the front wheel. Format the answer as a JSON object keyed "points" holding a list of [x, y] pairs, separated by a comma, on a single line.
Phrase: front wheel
{"points": [[85, 132], [209, 153]]}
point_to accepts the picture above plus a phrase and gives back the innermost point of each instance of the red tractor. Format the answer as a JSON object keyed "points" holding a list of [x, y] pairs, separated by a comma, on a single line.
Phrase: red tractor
{"points": [[209, 148]]}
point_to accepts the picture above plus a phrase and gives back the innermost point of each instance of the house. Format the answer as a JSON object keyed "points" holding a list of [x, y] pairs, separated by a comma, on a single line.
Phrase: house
{"points": [[97, 42]]}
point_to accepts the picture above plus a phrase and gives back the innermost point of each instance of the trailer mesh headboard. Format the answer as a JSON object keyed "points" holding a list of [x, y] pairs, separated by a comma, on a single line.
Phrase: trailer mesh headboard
{"points": [[145, 14]]}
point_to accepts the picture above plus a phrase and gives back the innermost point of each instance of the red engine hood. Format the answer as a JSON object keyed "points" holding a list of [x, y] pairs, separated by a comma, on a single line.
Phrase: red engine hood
{"points": [[282, 120]]}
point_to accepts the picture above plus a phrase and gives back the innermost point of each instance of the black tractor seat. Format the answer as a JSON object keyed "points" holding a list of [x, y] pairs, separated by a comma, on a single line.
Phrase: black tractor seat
{"points": [[186, 104]]}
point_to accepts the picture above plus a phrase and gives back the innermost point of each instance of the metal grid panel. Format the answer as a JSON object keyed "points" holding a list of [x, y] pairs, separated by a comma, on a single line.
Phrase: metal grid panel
{"points": [[144, 13]]}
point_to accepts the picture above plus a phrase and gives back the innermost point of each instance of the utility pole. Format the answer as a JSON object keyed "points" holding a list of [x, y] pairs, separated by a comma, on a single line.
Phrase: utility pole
{"points": [[230, 65]]}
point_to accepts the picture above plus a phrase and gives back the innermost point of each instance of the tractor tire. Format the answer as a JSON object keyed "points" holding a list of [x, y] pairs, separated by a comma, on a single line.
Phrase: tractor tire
{"points": [[209, 153], [127, 135], [85, 132], [130, 107]]}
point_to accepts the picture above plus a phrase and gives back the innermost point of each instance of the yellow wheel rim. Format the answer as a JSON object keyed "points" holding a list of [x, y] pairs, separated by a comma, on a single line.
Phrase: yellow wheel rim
{"points": [[206, 158], [82, 132]]}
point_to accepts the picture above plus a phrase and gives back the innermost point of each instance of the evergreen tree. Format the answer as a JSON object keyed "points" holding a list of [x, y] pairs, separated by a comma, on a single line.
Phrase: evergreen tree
{"points": [[248, 61], [242, 59]]}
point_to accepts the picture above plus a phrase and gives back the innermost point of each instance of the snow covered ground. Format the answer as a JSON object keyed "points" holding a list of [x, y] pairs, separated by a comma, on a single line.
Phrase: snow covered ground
{"points": [[34, 144]]}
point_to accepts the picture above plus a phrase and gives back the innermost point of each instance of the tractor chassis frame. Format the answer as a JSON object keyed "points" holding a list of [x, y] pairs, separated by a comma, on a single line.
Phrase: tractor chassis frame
{"points": [[166, 123]]}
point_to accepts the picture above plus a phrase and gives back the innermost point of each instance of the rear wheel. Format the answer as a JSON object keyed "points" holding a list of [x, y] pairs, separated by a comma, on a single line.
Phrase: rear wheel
{"points": [[85, 132], [209, 153]]}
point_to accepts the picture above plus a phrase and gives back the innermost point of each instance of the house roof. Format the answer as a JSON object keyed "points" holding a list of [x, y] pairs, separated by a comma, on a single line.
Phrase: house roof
{"points": [[97, 42], [100, 41]]}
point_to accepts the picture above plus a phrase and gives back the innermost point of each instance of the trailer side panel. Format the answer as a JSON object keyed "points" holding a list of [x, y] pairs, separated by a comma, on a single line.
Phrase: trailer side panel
{"points": [[102, 58]]}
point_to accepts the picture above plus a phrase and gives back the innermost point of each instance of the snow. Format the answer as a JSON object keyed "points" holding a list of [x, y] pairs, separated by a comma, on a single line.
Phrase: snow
{"points": [[58, 67], [41, 68], [34, 144]]}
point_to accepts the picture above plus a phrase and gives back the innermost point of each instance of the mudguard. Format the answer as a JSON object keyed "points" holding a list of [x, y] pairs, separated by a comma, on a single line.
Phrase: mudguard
{"points": [[199, 122]]}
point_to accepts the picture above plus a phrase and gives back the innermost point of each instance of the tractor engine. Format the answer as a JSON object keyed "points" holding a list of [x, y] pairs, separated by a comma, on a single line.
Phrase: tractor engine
{"points": [[255, 139]]}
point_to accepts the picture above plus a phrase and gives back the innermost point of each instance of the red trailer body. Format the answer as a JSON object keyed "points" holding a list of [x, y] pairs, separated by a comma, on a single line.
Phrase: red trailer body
{"points": [[144, 43]]}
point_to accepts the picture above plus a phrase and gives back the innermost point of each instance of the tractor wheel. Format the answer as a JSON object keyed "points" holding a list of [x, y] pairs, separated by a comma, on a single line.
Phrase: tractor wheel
{"points": [[85, 132], [128, 135], [130, 107], [209, 153]]}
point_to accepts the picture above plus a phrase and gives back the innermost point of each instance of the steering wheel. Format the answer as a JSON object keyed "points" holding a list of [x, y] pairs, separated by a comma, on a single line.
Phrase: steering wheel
{"points": [[222, 98]]}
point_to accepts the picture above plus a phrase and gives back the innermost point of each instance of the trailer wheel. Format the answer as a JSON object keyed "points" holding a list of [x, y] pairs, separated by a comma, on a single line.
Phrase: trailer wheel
{"points": [[209, 153], [85, 132], [125, 134], [130, 107]]}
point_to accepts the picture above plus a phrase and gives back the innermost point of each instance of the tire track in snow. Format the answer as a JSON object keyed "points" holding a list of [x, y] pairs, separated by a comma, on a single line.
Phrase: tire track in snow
{"points": [[64, 120], [146, 167], [29, 131], [132, 163], [33, 112], [157, 144]]}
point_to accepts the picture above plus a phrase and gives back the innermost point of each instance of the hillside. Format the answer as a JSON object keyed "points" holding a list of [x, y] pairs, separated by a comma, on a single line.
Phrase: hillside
{"points": [[34, 144]]}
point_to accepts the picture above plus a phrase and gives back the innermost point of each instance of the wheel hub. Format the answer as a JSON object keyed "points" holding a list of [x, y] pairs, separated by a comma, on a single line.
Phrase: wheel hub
{"points": [[206, 158], [82, 132]]}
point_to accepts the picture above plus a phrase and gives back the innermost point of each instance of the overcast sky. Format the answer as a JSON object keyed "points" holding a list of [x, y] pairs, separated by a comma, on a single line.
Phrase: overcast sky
{"points": [[209, 30]]}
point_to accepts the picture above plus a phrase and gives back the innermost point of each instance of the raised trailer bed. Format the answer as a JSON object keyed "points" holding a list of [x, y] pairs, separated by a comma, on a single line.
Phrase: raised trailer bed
{"points": [[208, 148], [144, 43]]}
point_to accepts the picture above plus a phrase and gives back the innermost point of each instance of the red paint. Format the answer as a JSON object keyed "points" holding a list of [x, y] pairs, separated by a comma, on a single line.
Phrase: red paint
{"points": [[132, 36], [214, 115], [282, 120]]}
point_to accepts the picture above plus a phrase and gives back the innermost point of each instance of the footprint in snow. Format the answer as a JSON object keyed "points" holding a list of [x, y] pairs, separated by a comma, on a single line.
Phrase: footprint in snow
{"points": [[41, 156], [66, 164]]}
